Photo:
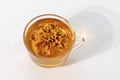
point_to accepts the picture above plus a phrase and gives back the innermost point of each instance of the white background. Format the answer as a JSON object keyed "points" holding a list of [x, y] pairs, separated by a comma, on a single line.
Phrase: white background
{"points": [[97, 59]]}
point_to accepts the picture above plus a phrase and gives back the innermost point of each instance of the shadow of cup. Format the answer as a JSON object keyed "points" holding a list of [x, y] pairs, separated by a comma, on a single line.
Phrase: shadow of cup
{"points": [[101, 27]]}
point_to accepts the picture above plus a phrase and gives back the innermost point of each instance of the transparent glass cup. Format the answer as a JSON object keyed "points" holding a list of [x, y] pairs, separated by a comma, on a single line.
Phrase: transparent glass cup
{"points": [[52, 48]]}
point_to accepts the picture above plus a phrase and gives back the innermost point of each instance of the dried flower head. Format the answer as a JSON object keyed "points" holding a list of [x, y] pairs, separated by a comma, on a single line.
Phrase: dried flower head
{"points": [[49, 40]]}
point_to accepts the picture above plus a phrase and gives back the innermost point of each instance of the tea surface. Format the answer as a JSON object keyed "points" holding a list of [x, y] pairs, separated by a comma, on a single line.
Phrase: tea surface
{"points": [[49, 38]]}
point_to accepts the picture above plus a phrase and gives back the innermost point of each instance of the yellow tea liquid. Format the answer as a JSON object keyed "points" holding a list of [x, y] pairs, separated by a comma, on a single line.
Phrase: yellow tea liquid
{"points": [[49, 38]]}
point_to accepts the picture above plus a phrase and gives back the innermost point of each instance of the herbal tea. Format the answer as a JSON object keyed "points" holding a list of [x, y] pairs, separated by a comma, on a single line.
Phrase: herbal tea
{"points": [[49, 38]]}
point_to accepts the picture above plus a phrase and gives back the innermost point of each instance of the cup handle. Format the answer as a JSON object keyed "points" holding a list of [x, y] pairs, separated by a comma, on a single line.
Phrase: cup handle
{"points": [[78, 42]]}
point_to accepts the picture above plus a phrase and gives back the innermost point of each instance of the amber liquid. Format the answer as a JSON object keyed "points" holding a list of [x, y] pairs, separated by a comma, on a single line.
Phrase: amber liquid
{"points": [[49, 38]]}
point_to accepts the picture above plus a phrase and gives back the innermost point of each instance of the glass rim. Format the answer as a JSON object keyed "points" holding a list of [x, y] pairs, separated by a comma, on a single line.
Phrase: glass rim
{"points": [[47, 15]]}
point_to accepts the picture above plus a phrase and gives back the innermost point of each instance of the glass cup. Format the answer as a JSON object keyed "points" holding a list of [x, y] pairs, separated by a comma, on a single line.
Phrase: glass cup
{"points": [[49, 38]]}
